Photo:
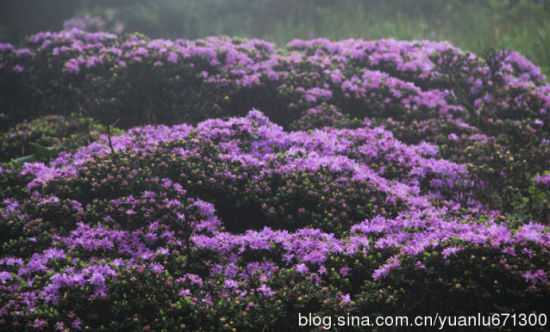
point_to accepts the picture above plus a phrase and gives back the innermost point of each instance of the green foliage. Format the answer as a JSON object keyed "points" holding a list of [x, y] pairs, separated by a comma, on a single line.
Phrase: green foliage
{"points": [[477, 279], [43, 138]]}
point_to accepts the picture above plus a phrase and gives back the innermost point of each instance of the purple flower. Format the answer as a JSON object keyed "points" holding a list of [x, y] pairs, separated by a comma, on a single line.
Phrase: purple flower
{"points": [[265, 290], [60, 326], [346, 298], [97, 279], [419, 266], [543, 180], [77, 324], [453, 137], [539, 275], [72, 66], [450, 251], [39, 324], [509, 251], [344, 271], [206, 208], [54, 254], [194, 279], [382, 272], [301, 268], [4, 276], [230, 283], [157, 268], [172, 57], [185, 292]]}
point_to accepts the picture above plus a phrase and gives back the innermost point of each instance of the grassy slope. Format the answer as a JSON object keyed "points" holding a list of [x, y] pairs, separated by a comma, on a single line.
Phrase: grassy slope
{"points": [[475, 27]]}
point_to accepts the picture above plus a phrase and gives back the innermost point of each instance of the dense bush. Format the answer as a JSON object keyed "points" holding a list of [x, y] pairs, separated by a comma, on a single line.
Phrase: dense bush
{"points": [[381, 177], [336, 220]]}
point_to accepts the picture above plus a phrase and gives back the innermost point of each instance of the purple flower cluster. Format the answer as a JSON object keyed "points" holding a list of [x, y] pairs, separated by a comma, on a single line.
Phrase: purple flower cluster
{"points": [[543, 180]]}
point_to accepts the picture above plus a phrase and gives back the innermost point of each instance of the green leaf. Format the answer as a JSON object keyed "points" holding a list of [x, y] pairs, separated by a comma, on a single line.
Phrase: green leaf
{"points": [[24, 159], [44, 153]]}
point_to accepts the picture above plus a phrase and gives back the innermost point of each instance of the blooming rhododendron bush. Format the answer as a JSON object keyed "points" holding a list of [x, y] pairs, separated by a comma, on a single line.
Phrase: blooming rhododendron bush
{"points": [[253, 183], [488, 112]]}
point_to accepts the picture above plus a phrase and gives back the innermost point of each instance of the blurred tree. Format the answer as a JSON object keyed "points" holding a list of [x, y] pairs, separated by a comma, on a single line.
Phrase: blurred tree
{"points": [[22, 18]]}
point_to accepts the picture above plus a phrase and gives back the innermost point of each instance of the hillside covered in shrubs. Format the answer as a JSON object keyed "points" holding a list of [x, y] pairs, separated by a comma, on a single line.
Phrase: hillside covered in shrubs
{"points": [[229, 184]]}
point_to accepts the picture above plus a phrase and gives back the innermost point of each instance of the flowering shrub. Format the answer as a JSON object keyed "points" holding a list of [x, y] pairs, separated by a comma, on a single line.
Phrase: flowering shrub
{"points": [[380, 176], [238, 223], [489, 113]]}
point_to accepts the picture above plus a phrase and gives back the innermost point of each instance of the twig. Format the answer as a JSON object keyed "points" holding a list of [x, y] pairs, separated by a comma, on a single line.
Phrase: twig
{"points": [[109, 137]]}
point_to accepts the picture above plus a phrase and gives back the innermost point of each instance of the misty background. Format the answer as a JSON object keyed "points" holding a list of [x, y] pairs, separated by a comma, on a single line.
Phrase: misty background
{"points": [[473, 25]]}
